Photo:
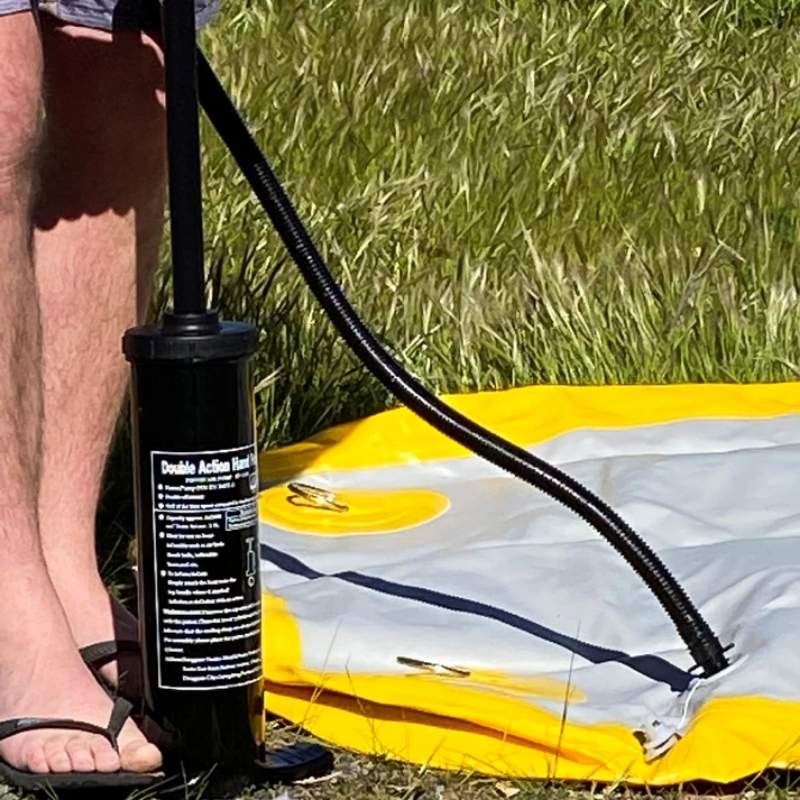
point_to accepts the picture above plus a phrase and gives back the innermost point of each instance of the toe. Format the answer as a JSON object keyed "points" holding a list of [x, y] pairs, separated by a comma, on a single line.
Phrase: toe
{"points": [[105, 757], [35, 758], [57, 758], [80, 754], [140, 756], [135, 752]]}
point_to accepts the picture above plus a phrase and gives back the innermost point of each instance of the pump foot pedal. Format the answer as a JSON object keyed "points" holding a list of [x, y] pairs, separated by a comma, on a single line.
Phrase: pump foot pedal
{"points": [[293, 763], [287, 764]]}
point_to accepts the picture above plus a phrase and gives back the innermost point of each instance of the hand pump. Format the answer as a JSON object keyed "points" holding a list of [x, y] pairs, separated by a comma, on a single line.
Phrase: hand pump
{"points": [[196, 483]]}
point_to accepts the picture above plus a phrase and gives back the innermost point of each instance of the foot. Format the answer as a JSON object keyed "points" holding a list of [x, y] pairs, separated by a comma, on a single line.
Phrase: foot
{"points": [[42, 675], [94, 616]]}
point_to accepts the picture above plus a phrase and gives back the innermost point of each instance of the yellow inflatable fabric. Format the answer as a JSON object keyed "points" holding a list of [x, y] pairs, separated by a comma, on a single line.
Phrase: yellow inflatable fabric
{"points": [[483, 723]]}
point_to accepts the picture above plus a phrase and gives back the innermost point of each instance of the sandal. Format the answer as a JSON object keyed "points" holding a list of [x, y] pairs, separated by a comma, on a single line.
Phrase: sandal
{"points": [[74, 781], [284, 764]]}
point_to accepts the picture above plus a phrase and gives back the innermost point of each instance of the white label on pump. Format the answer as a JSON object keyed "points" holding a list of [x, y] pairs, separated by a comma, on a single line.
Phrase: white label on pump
{"points": [[208, 598]]}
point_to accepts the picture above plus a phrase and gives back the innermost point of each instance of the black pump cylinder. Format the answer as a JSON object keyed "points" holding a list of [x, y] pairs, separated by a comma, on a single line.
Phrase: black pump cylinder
{"points": [[196, 483]]}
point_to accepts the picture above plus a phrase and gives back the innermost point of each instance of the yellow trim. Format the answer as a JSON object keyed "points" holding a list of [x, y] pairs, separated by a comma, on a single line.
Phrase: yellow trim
{"points": [[362, 512], [733, 738], [526, 416], [445, 724]]}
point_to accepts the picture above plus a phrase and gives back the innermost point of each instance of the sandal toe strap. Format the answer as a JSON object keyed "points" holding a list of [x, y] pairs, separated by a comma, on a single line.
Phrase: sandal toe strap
{"points": [[120, 714]]}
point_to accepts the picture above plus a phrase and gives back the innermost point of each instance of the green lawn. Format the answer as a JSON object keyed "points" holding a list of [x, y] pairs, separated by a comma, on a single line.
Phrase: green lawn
{"points": [[512, 193], [515, 192]]}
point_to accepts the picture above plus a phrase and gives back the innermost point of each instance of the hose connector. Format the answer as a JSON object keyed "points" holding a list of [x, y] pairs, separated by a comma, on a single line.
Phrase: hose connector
{"points": [[709, 655]]}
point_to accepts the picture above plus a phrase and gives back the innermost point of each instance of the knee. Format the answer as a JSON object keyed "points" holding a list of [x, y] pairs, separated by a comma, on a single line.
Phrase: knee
{"points": [[104, 117]]}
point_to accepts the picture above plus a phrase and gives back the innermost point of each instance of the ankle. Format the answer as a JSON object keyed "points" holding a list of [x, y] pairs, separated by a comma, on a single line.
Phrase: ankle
{"points": [[68, 544], [37, 628], [93, 614], [26, 589]]}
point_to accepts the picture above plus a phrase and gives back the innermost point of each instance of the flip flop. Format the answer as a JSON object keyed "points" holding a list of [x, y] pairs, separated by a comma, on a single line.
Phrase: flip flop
{"points": [[276, 765], [74, 781], [156, 730]]}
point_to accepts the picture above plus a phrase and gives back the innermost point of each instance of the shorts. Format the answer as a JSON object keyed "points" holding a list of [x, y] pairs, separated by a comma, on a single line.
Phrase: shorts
{"points": [[108, 15]]}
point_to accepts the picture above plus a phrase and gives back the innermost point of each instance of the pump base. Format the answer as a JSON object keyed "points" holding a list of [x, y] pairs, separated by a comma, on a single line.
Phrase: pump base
{"points": [[293, 763], [280, 765]]}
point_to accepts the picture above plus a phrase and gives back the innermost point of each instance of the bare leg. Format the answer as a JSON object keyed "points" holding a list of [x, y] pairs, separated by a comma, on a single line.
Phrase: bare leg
{"points": [[41, 673], [98, 226]]}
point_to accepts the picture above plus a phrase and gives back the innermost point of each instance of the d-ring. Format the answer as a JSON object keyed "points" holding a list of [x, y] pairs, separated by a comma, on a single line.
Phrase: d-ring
{"points": [[314, 497], [430, 666]]}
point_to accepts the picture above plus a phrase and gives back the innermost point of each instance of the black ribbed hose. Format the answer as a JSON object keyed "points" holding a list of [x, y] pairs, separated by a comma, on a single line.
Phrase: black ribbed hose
{"points": [[704, 646]]}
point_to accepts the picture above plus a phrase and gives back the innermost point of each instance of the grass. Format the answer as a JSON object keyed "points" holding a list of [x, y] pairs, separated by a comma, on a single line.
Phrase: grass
{"points": [[569, 191]]}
